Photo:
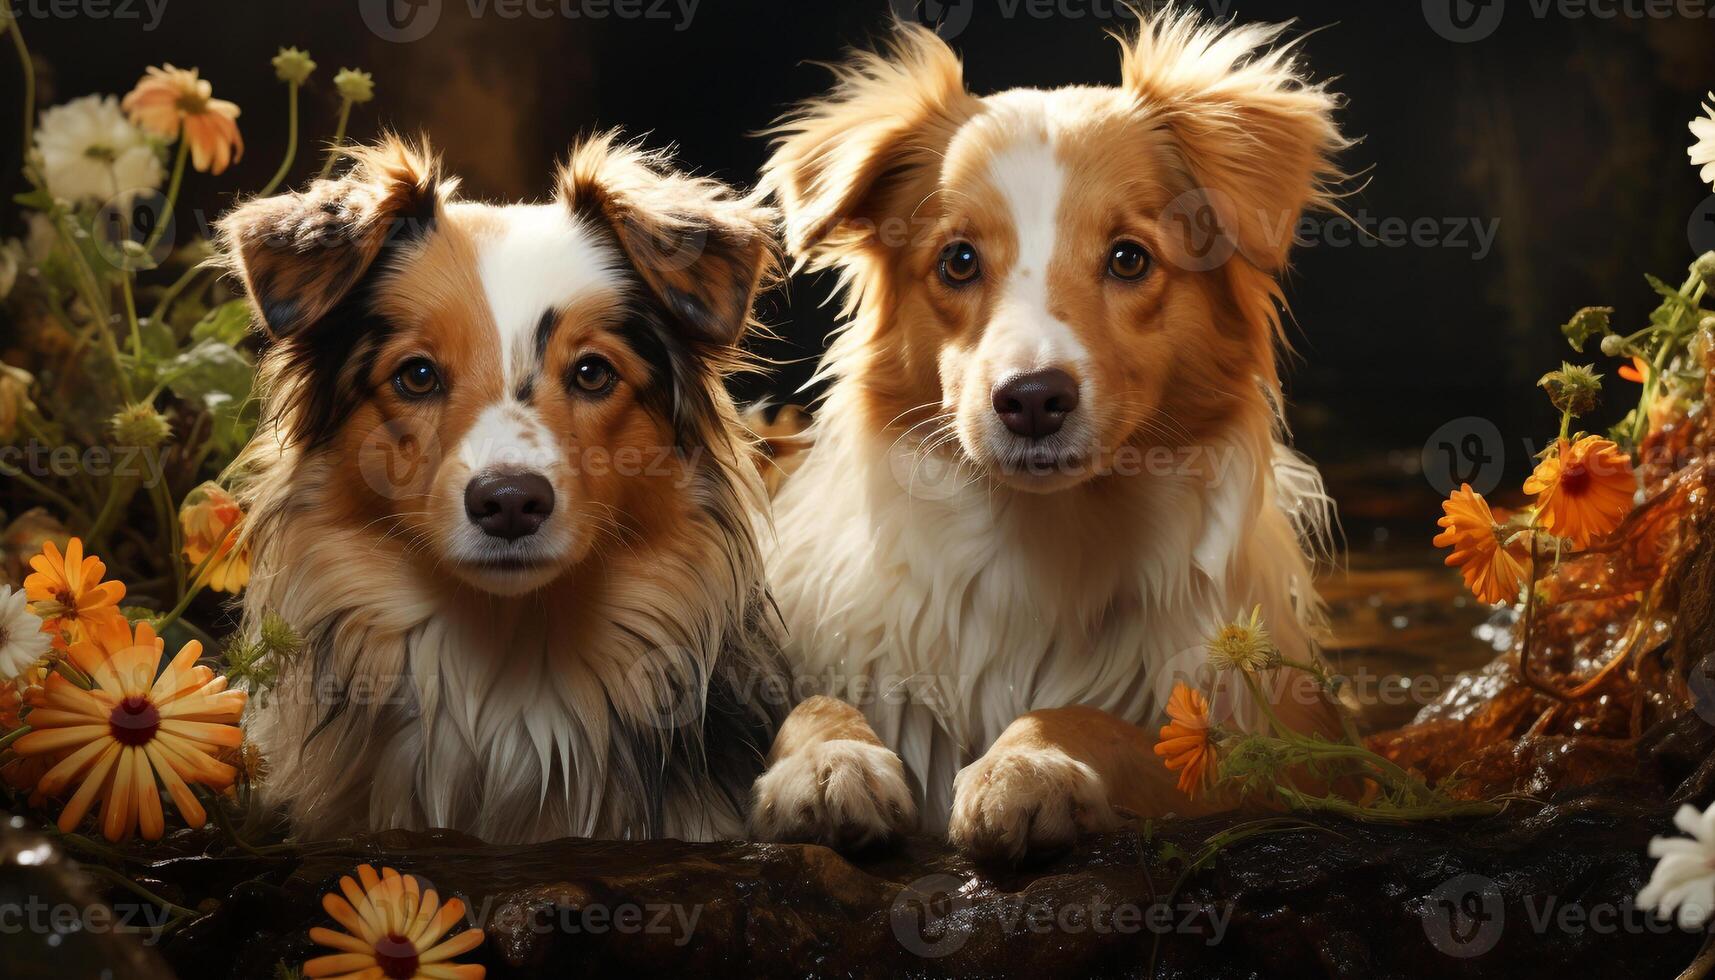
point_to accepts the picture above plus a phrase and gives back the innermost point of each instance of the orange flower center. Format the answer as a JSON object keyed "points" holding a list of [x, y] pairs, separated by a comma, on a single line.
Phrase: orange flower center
{"points": [[1575, 480], [66, 599], [134, 721], [190, 103], [396, 957]]}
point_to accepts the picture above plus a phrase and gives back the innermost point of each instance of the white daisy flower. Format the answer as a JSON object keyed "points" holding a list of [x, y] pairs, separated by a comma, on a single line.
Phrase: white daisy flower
{"points": [[22, 641], [89, 151], [1702, 152], [1684, 877]]}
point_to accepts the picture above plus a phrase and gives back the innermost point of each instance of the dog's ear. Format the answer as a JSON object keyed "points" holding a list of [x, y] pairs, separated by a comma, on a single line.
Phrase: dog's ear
{"points": [[701, 250], [300, 254], [1256, 136], [837, 157]]}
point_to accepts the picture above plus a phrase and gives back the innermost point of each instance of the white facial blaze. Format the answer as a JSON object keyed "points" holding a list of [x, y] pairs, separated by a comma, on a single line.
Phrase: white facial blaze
{"points": [[1023, 335], [509, 438], [533, 261], [541, 259]]}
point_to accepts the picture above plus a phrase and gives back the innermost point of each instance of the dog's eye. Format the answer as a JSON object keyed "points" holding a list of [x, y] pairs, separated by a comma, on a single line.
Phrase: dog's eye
{"points": [[960, 265], [594, 375], [1128, 261], [417, 378]]}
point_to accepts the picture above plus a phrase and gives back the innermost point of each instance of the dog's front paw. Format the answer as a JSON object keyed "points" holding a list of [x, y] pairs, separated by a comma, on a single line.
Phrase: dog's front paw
{"points": [[842, 792], [1026, 800]]}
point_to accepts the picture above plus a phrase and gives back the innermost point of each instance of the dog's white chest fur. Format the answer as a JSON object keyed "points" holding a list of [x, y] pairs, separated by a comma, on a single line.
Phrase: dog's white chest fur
{"points": [[946, 608]]}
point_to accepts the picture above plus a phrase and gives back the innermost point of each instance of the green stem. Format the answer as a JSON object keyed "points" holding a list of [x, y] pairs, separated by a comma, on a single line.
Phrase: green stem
{"points": [[1640, 422], [12, 736], [338, 138], [1384, 766], [170, 527], [1405, 814], [117, 491], [216, 807], [291, 140], [28, 68], [66, 669], [197, 584], [160, 312], [131, 315], [172, 196], [184, 603], [89, 285], [73, 511], [177, 911]]}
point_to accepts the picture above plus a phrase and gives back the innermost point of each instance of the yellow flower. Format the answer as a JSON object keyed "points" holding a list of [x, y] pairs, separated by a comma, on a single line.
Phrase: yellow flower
{"points": [[1491, 572], [392, 927], [1242, 645], [210, 520], [134, 732], [68, 591], [173, 103], [1583, 489], [1187, 743]]}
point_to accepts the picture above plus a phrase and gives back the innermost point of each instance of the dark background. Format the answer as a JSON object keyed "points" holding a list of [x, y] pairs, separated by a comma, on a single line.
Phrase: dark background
{"points": [[1569, 127]]}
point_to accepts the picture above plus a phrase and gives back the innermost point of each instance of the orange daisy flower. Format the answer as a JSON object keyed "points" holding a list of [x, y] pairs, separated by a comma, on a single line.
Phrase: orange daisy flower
{"points": [[1186, 743], [68, 591], [134, 732], [208, 518], [393, 929], [1583, 490], [173, 103], [1491, 572]]}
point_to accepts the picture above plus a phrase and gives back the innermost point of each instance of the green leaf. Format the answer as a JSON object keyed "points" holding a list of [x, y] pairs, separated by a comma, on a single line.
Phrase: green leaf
{"points": [[210, 368], [227, 323], [36, 200], [1591, 321], [217, 377]]}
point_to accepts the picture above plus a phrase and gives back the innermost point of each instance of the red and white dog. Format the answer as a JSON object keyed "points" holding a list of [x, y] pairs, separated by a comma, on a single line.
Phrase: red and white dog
{"points": [[1049, 463], [503, 493]]}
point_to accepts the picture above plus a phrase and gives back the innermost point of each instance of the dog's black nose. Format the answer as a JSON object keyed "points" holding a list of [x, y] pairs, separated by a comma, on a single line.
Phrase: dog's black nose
{"points": [[1035, 405], [509, 505]]}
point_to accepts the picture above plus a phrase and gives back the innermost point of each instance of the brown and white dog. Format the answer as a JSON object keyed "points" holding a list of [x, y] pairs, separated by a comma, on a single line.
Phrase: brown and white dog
{"points": [[1050, 461], [500, 490]]}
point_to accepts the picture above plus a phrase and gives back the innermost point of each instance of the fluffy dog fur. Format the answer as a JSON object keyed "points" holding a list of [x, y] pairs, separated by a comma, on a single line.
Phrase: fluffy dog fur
{"points": [[601, 676], [949, 577]]}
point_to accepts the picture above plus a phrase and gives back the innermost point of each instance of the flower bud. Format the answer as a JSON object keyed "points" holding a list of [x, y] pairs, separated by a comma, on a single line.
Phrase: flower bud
{"points": [[141, 426], [354, 86], [292, 65], [1704, 268], [1613, 345], [1574, 389]]}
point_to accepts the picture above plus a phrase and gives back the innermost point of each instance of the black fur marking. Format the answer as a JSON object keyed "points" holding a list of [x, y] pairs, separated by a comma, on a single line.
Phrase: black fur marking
{"points": [[334, 357], [545, 333]]}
